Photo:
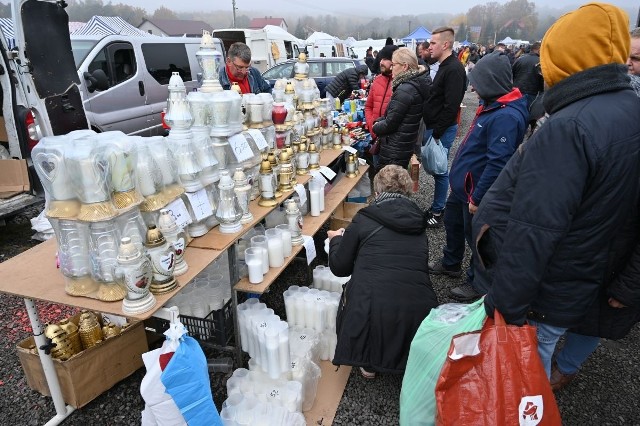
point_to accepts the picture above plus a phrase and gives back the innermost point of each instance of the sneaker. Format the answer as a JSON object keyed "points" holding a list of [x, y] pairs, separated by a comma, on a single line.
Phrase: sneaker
{"points": [[434, 220], [464, 293], [367, 374], [440, 269], [559, 380]]}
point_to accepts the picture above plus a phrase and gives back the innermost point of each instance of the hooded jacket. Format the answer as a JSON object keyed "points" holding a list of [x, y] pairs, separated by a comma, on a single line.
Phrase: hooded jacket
{"points": [[346, 82], [558, 223], [389, 293], [495, 133], [401, 123]]}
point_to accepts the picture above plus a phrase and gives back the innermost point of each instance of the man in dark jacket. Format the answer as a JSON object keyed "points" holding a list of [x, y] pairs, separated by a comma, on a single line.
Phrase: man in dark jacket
{"points": [[346, 82], [238, 69], [495, 133], [441, 109], [526, 74], [548, 230]]}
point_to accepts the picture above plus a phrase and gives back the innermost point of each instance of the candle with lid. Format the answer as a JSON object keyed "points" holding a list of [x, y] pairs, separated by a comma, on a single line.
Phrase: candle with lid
{"points": [[162, 257], [135, 273]]}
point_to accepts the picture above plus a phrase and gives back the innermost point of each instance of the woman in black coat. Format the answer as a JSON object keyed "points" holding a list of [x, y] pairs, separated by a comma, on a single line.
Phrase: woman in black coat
{"points": [[386, 252], [399, 128]]}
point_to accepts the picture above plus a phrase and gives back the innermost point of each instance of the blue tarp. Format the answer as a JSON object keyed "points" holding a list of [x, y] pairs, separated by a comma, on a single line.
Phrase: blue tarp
{"points": [[419, 35], [465, 43]]}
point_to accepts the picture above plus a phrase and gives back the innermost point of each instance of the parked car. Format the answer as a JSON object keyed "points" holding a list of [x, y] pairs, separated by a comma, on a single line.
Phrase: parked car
{"points": [[322, 70]]}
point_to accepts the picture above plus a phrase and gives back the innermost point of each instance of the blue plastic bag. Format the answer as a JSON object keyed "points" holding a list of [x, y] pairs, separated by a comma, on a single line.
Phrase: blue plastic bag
{"points": [[427, 355], [186, 379], [434, 157]]}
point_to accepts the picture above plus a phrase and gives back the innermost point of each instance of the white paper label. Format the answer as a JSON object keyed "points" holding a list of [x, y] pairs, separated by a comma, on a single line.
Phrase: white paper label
{"points": [[258, 138], [240, 147], [114, 319], [316, 174], [302, 193], [330, 174], [178, 210], [350, 149], [167, 262], [200, 204], [310, 248]]}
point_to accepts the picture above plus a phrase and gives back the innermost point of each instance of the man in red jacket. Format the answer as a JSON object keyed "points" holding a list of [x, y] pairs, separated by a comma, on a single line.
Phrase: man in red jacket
{"points": [[380, 92]]}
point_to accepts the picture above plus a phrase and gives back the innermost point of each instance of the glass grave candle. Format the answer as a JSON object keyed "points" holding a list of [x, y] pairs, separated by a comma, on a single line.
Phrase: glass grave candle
{"points": [[242, 190], [286, 173], [74, 256], [210, 61], [103, 243], [163, 261], [267, 185], [220, 110], [351, 166], [314, 157], [121, 155], [302, 160], [176, 237], [134, 272], [229, 211]]}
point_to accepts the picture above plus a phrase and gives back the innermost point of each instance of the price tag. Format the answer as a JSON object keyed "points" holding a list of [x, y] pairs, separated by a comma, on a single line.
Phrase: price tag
{"points": [[302, 193], [240, 147], [258, 138], [316, 174], [350, 149], [178, 210], [330, 174], [114, 319], [310, 248], [200, 204]]}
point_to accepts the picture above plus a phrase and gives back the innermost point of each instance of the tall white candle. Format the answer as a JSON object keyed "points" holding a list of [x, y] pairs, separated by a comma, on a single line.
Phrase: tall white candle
{"points": [[298, 302], [314, 196], [285, 233], [276, 253], [255, 271]]}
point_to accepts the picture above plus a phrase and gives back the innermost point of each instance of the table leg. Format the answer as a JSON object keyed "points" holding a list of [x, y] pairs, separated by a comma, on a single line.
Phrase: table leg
{"points": [[62, 411], [233, 278]]}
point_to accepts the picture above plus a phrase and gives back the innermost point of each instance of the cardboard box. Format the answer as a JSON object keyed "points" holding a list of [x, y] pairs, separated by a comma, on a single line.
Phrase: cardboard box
{"points": [[344, 213], [91, 372], [14, 178], [414, 172]]}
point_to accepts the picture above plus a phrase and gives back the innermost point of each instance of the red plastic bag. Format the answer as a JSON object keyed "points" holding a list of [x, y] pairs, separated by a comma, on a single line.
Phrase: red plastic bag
{"points": [[495, 377]]}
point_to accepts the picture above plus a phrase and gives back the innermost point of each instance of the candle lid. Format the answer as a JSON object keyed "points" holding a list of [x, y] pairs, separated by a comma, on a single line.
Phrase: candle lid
{"points": [[265, 167], [154, 237]]}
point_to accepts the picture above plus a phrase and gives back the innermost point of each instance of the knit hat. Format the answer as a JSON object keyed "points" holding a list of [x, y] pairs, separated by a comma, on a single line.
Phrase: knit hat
{"points": [[387, 51], [491, 77], [595, 34]]}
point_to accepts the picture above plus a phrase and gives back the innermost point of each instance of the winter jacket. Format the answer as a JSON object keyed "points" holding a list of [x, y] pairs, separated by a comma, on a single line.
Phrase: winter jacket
{"points": [[389, 293], [401, 122], [256, 82], [447, 92], [547, 232], [377, 100], [346, 82], [495, 133], [526, 75]]}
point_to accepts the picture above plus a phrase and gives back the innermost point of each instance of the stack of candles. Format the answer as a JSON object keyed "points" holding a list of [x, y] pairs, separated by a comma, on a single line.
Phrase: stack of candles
{"points": [[268, 250], [323, 279]]}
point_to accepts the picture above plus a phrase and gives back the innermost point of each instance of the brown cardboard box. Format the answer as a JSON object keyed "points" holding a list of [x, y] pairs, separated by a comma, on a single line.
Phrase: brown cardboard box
{"points": [[344, 213], [414, 171], [91, 372], [14, 178]]}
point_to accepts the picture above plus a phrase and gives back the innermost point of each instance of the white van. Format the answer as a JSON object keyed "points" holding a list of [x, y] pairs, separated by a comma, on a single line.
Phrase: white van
{"points": [[124, 80], [269, 46]]}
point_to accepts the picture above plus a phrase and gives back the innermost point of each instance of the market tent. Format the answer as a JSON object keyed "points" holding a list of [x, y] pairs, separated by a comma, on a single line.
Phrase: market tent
{"points": [[349, 41], [319, 37], [507, 40], [6, 25], [465, 43], [106, 25], [419, 35]]}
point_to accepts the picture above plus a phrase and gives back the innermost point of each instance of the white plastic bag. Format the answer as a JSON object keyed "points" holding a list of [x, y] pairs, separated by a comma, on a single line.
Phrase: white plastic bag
{"points": [[434, 157]]}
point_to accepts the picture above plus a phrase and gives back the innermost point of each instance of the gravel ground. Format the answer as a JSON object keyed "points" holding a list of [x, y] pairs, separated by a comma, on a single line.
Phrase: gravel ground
{"points": [[605, 393]]}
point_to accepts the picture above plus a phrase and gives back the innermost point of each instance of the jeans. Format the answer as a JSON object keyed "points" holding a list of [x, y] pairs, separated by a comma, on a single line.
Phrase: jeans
{"points": [[575, 352], [457, 224], [548, 336], [441, 181]]}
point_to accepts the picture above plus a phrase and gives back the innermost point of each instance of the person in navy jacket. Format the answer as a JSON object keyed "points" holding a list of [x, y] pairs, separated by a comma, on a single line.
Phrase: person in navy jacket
{"points": [[495, 133]]}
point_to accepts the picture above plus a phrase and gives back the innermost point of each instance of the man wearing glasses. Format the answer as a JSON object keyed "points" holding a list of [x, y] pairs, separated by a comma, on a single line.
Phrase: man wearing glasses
{"points": [[634, 56], [238, 69]]}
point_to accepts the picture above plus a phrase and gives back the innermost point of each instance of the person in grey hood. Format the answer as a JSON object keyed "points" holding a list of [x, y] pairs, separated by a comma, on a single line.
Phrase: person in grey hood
{"points": [[346, 82], [389, 293]]}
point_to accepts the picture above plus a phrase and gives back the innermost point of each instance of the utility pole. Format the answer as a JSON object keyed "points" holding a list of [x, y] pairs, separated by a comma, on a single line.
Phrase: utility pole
{"points": [[233, 4], [409, 27]]}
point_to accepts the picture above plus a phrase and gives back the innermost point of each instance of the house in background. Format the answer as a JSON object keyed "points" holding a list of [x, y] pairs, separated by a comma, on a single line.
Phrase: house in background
{"points": [[174, 27], [259, 23]]}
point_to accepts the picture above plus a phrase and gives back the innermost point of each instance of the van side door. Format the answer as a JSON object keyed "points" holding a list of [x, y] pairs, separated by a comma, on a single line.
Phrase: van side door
{"points": [[123, 106]]}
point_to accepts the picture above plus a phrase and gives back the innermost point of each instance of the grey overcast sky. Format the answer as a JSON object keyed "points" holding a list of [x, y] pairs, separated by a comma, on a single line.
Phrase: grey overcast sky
{"points": [[322, 7]]}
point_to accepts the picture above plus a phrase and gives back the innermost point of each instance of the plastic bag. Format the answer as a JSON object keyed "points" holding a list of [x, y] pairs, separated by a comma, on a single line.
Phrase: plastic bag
{"points": [[499, 366], [434, 157], [427, 355]]}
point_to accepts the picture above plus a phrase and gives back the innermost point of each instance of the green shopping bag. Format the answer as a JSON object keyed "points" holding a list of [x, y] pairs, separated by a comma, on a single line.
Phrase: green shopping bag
{"points": [[427, 356]]}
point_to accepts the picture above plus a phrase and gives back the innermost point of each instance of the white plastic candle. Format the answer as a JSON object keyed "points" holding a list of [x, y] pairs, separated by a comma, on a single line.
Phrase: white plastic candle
{"points": [[298, 303], [272, 345], [283, 348], [275, 248], [285, 234], [289, 305], [260, 241], [314, 196], [255, 271]]}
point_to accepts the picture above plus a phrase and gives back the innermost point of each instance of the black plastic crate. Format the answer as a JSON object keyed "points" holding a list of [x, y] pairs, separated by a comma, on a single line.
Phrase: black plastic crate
{"points": [[216, 328]]}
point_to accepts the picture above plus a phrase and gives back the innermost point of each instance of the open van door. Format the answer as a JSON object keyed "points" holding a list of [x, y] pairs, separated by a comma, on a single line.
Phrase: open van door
{"points": [[40, 96]]}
